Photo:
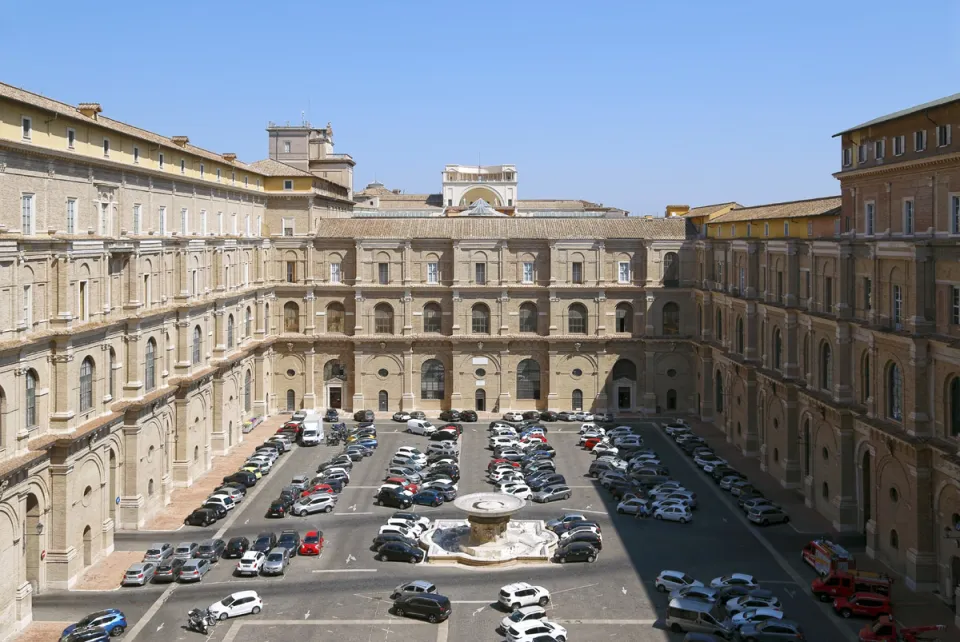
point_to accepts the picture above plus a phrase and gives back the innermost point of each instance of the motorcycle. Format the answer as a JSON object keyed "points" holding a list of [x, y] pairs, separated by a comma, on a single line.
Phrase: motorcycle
{"points": [[200, 621]]}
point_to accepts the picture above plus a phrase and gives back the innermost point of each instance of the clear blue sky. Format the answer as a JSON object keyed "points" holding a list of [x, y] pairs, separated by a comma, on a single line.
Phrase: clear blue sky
{"points": [[634, 104]]}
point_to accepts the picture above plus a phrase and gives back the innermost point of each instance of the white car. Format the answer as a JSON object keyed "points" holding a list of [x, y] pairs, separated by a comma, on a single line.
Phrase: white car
{"points": [[505, 431], [411, 526], [264, 464], [412, 518], [505, 472], [668, 581], [756, 615], [688, 496], [233, 493], [235, 604], [222, 500], [394, 528], [519, 490], [674, 513], [392, 485], [440, 482], [521, 615], [667, 487], [507, 486], [250, 563], [588, 427], [605, 449], [633, 506], [512, 416], [734, 579], [666, 503], [579, 529], [531, 630], [336, 470], [410, 451], [740, 604], [317, 503], [513, 596], [502, 441]]}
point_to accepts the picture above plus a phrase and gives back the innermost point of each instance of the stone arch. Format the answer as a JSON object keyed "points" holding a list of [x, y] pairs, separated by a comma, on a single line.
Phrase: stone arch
{"points": [[9, 551], [466, 360], [476, 192], [369, 359]]}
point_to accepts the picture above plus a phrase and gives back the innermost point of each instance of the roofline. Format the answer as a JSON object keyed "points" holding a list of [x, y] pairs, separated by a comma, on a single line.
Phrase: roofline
{"points": [[801, 200], [903, 113]]}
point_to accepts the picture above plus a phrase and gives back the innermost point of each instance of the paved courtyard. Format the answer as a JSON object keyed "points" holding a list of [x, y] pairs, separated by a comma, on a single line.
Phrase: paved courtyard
{"points": [[344, 594]]}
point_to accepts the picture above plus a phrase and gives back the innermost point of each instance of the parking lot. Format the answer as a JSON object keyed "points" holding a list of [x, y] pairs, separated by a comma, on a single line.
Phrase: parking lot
{"points": [[344, 593]]}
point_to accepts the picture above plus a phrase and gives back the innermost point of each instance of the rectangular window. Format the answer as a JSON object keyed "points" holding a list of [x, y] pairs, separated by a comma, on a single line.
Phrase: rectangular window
{"points": [[766, 229], [183, 166], [163, 221], [82, 301], [749, 229], [218, 174], [160, 159], [577, 272], [955, 214], [259, 225], [733, 230], [246, 224], [878, 149], [26, 214], [233, 224], [433, 273], [908, 216], [258, 183], [288, 227], [220, 223], [106, 147], [623, 272], [194, 283], [335, 273], [26, 127], [807, 283], [868, 218], [246, 182], [786, 228], [71, 137], [147, 292], [527, 276], [104, 219], [291, 271], [71, 215], [867, 294], [847, 157], [288, 184], [828, 294], [780, 286], [943, 135], [383, 273], [286, 147], [955, 305], [480, 273], [203, 222], [919, 141], [897, 306], [862, 153], [809, 229], [184, 222], [202, 170], [743, 281], [136, 218], [136, 154], [898, 145], [28, 306]]}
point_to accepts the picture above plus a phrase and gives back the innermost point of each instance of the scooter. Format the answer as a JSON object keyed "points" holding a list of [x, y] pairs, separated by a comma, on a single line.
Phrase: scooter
{"points": [[200, 621]]}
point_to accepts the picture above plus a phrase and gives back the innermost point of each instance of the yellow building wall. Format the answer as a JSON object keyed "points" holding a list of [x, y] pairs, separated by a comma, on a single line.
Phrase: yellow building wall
{"points": [[738, 230], [275, 183]]}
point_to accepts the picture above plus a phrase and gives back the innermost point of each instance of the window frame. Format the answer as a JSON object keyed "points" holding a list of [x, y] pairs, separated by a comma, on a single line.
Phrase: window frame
{"points": [[620, 272], [480, 319], [862, 153], [528, 272], [480, 273], [944, 137], [847, 156], [899, 145], [71, 215], [28, 213], [336, 272], [288, 184], [955, 305], [433, 273], [576, 272], [920, 140], [432, 313], [71, 138], [136, 155], [907, 208], [26, 128], [869, 217], [879, 147]]}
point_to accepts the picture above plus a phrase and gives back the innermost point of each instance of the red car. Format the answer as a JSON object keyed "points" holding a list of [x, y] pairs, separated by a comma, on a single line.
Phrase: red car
{"points": [[590, 443], [316, 488], [312, 543], [863, 605], [456, 427], [534, 437], [496, 462], [405, 484]]}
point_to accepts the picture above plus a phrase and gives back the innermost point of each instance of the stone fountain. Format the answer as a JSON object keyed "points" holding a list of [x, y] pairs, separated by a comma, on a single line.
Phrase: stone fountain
{"points": [[488, 536]]}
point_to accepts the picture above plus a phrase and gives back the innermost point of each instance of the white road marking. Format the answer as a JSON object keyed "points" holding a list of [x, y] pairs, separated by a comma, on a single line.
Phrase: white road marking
{"points": [[580, 510], [345, 570], [625, 622], [353, 507], [159, 627], [306, 616], [574, 588], [793, 594], [443, 630], [470, 602], [623, 590], [370, 513], [246, 521], [351, 558], [478, 611]]}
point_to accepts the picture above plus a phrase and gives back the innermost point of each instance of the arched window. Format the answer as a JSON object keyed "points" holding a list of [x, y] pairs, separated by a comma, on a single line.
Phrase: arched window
{"points": [[230, 331], [954, 415], [247, 391], [826, 367], [333, 369], [624, 369], [577, 319], [480, 319], [624, 317], [431, 379], [291, 317], [197, 344], [719, 325], [528, 379], [671, 319], [528, 317], [86, 385], [383, 401], [149, 365], [865, 379], [248, 323], [291, 400], [718, 392], [111, 378], [777, 349], [432, 318], [266, 318], [699, 319], [894, 392], [740, 335], [383, 319], [31, 400], [671, 270], [577, 399], [336, 316]]}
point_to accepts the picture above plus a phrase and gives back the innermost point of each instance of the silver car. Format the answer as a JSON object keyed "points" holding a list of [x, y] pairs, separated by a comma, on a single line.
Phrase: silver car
{"points": [[139, 574], [194, 570], [185, 550], [158, 552], [277, 560], [552, 493], [317, 503]]}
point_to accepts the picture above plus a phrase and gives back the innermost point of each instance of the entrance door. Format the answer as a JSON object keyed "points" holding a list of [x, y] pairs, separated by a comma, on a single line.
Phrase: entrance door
{"points": [[383, 401], [291, 400], [577, 399], [335, 398], [623, 398], [480, 399], [671, 399]]}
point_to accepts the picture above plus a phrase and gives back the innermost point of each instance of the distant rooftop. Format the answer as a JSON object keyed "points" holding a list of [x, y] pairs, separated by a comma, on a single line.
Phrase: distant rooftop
{"points": [[790, 209], [903, 112]]}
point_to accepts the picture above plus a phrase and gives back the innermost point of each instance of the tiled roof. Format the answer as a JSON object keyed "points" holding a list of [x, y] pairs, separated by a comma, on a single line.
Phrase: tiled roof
{"points": [[557, 204], [504, 228], [707, 210], [270, 167], [903, 112], [69, 111], [792, 209]]}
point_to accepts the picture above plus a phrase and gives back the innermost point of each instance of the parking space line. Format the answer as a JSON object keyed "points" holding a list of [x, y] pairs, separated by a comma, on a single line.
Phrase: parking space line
{"points": [[369, 513], [345, 570], [471, 601], [601, 622], [580, 510], [443, 630], [236, 626]]}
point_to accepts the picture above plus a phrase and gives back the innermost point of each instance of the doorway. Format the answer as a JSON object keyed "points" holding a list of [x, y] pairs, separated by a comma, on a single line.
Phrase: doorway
{"points": [[671, 399], [623, 398], [383, 401], [87, 547], [31, 535], [291, 400], [954, 576], [577, 399], [865, 489], [480, 400], [335, 398]]}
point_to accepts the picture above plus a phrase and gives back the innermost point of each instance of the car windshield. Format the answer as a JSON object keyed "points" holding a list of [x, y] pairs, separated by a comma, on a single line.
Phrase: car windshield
{"points": [[263, 540], [517, 616], [227, 601], [312, 540], [133, 571], [153, 551], [183, 549], [206, 548], [275, 557]]}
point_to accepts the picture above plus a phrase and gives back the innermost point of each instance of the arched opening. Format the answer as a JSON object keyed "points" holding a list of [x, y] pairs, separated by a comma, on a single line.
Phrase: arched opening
{"points": [[383, 319], [197, 344], [718, 392], [32, 541], [291, 400], [150, 365], [719, 326], [894, 392], [624, 317], [777, 349], [111, 376], [740, 335], [86, 385], [432, 318], [383, 401], [112, 487], [826, 367], [336, 316], [291, 317], [333, 369], [476, 193], [528, 379], [953, 416], [231, 332], [432, 379], [480, 400], [671, 399], [577, 319], [577, 399], [480, 319], [528, 317], [30, 401], [624, 376], [248, 391], [266, 318], [671, 270], [87, 546], [671, 319], [865, 486], [248, 323]]}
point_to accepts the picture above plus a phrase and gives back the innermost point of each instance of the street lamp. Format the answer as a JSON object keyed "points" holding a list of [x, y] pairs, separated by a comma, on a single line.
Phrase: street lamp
{"points": [[39, 528]]}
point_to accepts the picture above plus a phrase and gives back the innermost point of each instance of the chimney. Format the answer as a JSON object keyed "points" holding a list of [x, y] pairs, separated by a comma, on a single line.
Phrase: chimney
{"points": [[181, 141], [229, 157], [90, 110]]}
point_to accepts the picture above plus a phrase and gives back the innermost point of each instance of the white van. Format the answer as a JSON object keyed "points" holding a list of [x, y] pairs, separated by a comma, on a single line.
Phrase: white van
{"points": [[421, 427], [311, 436]]}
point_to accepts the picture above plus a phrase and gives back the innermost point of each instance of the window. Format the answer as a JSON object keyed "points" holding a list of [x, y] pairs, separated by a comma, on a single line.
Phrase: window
{"points": [[111, 366], [480, 319], [955, 305], [766, 229], [233, 224], [623, 272], [432, 318], [83, 300], [106, 147], [431, 380], [528, 379], [383, 273], [86, 385], [246, 225], [183, 166], [806, 276], [828, 294], [919, 141], [955, 410], [231, 332], [749, 229], [433, 273], [149, 365], [624, 317], [248, 323], [719, 326], [220, 223], [733, 230], [777, 349], [898, 145], [203, 222], [147, 291], [71, 215], [867, 294], [826, 367], [878, 149], [577, 319], [868, 218], [291, 317], [480, 273], [671, 319], [136, 218], [259, 225], [943, 135], [739, 330], [197, 344], [202, 170], [136, 154], [335, 273], [780, 296], [286, 147], [383, 319], [742, 281], [288, 227], [163, 220], [897, 306], [288, 184], [160, 159], [908, 216], [862, 153], [218, 180], [894, 393], [810, 229], [528, 317], [336, 315], [26, 127], [527, 276], [847, 157], [955, 214], [577, 272], [184, 222], [104, 218], [291, 271], [247, 391], [28, 306], [786, 228], [30, 404], [26, 212], [233, 177], [865, 379], [71, 137]]}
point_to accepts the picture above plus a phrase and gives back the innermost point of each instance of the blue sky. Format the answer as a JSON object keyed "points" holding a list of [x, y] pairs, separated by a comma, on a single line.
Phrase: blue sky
{"points": [[634, 104]]}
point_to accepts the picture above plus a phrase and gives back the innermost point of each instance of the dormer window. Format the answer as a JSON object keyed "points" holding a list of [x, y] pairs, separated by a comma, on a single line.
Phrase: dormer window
{"points": [[878, 149], [862, 153], [919, 141], [943, 135], [288, 184], [847, 157]]}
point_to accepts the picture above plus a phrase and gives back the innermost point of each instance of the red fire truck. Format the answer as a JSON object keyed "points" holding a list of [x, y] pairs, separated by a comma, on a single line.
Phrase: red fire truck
{"points": [[840, 584], [825, 556], [886, 629]]}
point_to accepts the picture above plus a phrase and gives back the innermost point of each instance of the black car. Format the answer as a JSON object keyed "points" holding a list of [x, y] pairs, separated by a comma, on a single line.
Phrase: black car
{"points": [[450, 470], [429, 606], [400, 552], [168, 571], [331, 415], [355, 454], [211, 549], [576, 552], [435, 457], [692, 444], [264, 542], [450, 415], [531, 415], [719, 472], [393, 497], [468, 415], [290, 540], [385, 538], [217, 509], [201, 517], [542, 447], [244, 477], [236, 547], [445, 434], [288, 497], [542, 481], [335, 484], [364, 415], [278, 508], [585, 536]]}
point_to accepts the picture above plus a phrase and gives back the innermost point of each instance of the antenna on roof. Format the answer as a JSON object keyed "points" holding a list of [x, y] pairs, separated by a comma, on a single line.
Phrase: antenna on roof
{"points": [[303, 117]]}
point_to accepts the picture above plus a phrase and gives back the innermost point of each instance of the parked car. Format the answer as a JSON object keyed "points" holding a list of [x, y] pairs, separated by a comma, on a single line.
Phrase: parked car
{"points": [[429, 606], [242, 477], [319, 503], [112, 621], [168, 570], [201, 517], [139, 574], [193, 570], [185, 550], [468, 416], [668, 581], [158, 553], [400, 552], [264, 542], [364, 415], [236, 547], [450, 415], [576, 551], [394, 497], [312, 544], [290, 540], [416, 587], [548, 415], [250, 563], [277, 508], [401, 416], [237, 604], [211, 550], [384, 538], [219, 511], [277, 561], [771, 631]]}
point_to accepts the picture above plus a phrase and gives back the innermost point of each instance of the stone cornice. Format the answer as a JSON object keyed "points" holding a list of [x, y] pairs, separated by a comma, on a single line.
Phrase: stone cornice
{"points": [[879, 170]]}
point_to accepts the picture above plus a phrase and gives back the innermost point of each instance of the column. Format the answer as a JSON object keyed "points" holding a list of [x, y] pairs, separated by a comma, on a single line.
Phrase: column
{"points": [[791, 363], [358, 378], [61, 411], [457, 312], [845, 501], [751, 441], [61, 279], [501, 264], [553, 312], [359, 313], [603, 367], [842, 367], [455, 264], [846, 282], [921, 571], [600, 300], [218, 275], [130, 512], [408, 401], [219, 334], [502, 313], [310, 370], [601, 271], [793, 472], [133, 369], [553, 369], [310, 306], [792, 280], [706, 380], [406, 307], [308, 265], [260, 330], [406, 271], [62, 563], [649, 399], [259, 388], [554, 263], [504, 401], [456, 394], [921, 294], [184, 358], [649, 330], [752, 350], [181, 273]]}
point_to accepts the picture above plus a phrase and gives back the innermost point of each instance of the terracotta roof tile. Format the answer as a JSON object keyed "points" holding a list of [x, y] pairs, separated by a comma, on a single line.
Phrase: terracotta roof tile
{"points": [[707, 210], [791, 209], [270, 167]]}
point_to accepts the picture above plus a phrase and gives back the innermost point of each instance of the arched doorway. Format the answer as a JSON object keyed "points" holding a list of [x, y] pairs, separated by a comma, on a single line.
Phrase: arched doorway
{"points": [[624, 376], [334, 379], [32, 541], [114, 491], [671, 399], [291, 400], [383, 401], [865, 484], [87, 547], [577, 399], [480, 400]]}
